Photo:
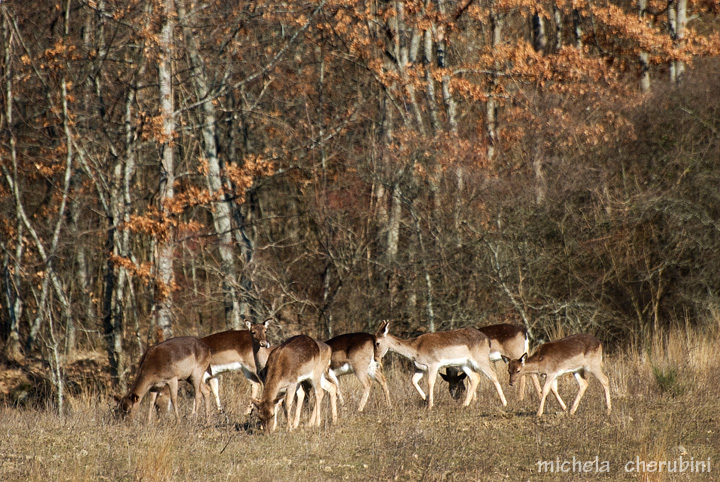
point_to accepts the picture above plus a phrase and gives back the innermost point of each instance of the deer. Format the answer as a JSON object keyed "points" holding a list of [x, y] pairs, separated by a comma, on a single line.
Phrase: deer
{"points": [[232, 350], [354, 353], [506, 340], [260, 346], [466, 348], [261, 351], [577, 354], [297, 359], [165, 364]]}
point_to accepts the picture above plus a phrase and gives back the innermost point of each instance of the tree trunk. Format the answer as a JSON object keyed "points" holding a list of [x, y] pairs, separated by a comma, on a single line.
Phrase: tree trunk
{"points": [[165, 243], [11, 266], [677, 16], [496, 24], [221, 213], [558, 20], [577, 28], [644, 56], [538, 33]]}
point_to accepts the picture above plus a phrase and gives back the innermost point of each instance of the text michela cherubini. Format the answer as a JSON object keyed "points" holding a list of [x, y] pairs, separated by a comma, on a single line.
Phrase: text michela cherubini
{"points": [[575, 465]]}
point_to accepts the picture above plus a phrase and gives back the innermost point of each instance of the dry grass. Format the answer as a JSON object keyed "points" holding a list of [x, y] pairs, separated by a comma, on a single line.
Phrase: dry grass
{"points": [[665, 405]]}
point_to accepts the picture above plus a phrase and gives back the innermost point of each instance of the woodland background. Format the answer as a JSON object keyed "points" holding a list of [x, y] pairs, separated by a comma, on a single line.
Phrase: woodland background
{"points": [[186, 165]]}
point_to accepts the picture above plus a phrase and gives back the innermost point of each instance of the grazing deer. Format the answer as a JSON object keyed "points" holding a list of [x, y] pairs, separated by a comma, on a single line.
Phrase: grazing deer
{"points": [[297, 359], [231, 351], [576, 354], [261, 351], [165, 364], [354, 353], [466, 348], [506, 340]]}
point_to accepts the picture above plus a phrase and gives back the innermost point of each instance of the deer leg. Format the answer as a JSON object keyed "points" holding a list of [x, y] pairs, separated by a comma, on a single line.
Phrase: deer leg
{"points": [[254, 393], [215, 388], [206, 396], [317, 409], [378, 376], [554, 390], [536, 383], [331, 388], [365, 380], [546, 389], [201, 391], [490, 373], [153, 398], [300, 396], [415, 379], [582, 386], [606, 385], [473, 382], [173, 384], [289, 400], [432, 376], [521, 387], [603, 379], [333, 378]]}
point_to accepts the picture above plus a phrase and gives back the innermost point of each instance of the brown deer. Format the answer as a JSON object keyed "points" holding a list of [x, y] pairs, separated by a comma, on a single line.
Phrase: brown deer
{"points": [[506, 340], [354, 353], [231, 351], [297, 359], [165, 364], [577, 354], [466, 348], [261, 351]]}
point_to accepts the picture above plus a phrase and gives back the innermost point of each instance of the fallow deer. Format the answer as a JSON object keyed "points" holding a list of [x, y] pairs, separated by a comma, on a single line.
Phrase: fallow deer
{"points": [[577, 354], [297, 359], [261, 351], [466, 348], [231, 351], [354, 353], [166, 363], [506, 340], [260, 346]]}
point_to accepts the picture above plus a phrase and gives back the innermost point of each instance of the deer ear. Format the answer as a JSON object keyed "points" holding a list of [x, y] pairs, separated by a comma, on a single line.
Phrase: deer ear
{"points": [[266, 322], [445, 377], [523, 358], [248, 323], [505, 359]]}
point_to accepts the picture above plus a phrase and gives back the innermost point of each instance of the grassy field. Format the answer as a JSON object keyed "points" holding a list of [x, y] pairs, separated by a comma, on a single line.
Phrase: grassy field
{"points": [[665, 409]]}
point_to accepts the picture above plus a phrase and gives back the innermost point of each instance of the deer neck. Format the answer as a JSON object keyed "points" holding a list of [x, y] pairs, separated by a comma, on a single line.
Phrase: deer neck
{"points": [[406, 348]]}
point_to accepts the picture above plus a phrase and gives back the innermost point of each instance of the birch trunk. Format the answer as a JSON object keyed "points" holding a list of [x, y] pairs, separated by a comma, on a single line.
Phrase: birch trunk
{"points": [[221, 213], [644, 56], [12, 266], [538, 33], [678, 66], [165, 244], [496, 24]]}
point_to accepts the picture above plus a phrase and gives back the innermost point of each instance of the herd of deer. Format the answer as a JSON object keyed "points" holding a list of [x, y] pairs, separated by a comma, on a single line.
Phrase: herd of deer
{"points": [[301, 364]]}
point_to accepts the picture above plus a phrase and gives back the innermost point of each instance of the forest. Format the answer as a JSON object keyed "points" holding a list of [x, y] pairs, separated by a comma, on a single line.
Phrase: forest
{"points": [[181, 166]]}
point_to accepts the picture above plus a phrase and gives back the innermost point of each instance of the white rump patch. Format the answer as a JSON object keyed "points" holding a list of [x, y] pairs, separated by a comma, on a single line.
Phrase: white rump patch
{"points": [[228, 367], [343, 369], [456, 362]]}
